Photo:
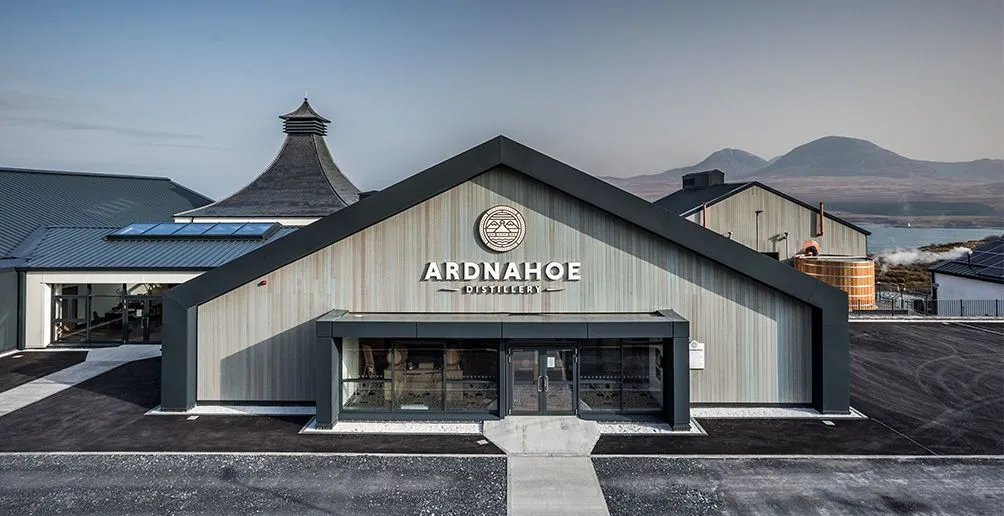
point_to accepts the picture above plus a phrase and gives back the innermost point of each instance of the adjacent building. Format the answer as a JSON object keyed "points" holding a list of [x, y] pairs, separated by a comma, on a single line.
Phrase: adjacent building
{"points": [[106, 248], [973, 284], [59, 212], [763, 218]]}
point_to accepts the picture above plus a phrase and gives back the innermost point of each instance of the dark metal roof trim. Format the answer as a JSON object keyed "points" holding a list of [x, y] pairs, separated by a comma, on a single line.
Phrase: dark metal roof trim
{"points": [[502, 151]]}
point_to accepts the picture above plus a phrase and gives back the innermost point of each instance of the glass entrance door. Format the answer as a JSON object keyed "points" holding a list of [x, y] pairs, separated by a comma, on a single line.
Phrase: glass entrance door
{"points": [[542, 380], [143, 323]]}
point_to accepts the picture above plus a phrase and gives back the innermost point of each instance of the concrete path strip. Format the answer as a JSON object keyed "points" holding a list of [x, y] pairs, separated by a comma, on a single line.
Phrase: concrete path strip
{"points": [[554, 486], [98, 361]]}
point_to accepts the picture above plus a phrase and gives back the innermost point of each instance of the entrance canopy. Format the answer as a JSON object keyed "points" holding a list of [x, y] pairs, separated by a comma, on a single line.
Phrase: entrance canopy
{"points": [[662, 324]]}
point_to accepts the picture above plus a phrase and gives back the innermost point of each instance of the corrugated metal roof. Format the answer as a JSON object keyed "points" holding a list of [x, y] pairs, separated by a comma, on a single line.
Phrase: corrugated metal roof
{"points": [[684, 200], [30, 199], [87, 248], [986, 263]]}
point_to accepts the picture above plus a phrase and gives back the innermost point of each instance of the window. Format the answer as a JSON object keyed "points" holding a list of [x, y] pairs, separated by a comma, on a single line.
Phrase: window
{"points": [[107, 312], [420, 375], [621, 375]]}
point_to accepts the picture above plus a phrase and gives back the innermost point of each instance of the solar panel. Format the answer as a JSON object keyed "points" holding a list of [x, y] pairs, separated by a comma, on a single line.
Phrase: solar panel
{"points": [[134, 229]]}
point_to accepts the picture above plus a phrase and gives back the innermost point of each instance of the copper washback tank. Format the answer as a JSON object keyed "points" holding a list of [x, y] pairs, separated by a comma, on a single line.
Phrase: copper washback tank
{"points": [[854, 275]]}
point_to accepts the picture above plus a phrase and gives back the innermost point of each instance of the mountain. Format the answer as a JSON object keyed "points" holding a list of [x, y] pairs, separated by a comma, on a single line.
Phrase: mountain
{"points": [[860, 180], [835, 160], [843, 157], [734, 162]]}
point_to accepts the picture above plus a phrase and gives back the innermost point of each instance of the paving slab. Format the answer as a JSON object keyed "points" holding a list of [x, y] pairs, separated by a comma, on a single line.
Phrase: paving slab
{"points": [[20, 368], [96, 362], [554, 486]]}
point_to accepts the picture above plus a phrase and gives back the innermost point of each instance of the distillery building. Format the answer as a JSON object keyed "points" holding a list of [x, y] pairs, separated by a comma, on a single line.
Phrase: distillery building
{"points": [[500, 282], [763, 218]]}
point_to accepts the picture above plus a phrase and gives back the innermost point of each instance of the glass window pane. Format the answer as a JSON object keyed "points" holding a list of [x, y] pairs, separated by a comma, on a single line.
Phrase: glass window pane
{"points": [[254, 229], [472, 375], [222, 229], [600, 375], [106, 318], [134, 229], [643, 376], [193, 229], [163, 229]]}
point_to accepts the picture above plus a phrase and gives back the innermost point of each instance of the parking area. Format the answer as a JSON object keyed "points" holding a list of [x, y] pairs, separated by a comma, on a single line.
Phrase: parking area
{"points": [[106, 413], [928, 389], [643, 485]]}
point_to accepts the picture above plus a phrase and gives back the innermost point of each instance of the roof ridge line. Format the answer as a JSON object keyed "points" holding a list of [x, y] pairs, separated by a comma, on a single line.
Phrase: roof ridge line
{"points": [[42, 171]]}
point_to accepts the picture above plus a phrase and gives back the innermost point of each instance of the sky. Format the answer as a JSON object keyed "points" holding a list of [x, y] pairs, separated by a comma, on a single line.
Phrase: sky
{"points": [[192, 90]]}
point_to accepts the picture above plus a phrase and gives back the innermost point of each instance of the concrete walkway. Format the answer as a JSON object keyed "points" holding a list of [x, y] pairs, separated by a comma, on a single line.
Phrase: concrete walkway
{"points": [[549, 470], [98, 361]]}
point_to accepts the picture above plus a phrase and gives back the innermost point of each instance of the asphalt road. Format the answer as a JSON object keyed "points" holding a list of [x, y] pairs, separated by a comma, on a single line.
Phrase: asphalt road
{"points": [[939, 385], [642, 486], [21, 368], [251, 484]]}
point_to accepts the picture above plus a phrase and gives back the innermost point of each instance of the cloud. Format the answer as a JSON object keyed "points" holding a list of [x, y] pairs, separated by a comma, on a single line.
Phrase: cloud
{"points": [[65, 125]]}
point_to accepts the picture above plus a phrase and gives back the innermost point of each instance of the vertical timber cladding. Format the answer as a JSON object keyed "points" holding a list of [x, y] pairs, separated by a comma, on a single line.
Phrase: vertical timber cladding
{"points": [[758, 340], [736, 214]]}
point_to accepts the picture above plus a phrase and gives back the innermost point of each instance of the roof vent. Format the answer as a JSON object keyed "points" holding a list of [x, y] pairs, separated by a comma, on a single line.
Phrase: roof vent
{"points": [[703, 179], [304, 121]]}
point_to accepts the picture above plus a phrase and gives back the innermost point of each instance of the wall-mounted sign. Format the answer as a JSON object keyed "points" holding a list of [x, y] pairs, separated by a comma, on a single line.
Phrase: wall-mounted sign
{"points": [[501, 228], [696, 355]]}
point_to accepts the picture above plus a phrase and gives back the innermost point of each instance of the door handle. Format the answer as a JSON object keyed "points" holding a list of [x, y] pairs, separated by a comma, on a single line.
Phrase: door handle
{"points": [[540, 383], [546, 382]]}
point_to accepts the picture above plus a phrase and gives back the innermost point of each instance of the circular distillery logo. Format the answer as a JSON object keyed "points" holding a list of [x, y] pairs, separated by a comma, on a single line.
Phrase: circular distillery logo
{"points": [[501, 228]]}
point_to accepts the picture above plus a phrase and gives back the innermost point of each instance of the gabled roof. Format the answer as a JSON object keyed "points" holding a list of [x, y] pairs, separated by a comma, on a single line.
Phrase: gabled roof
{"points": [[986, 264], [828, 304], [685, 202], [87, 248], [302, 181], [502, 151], [30, 199]]}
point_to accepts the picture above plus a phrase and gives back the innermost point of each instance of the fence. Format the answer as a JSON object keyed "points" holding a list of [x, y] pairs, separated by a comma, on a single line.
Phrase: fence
{"points": [[909, 303]]}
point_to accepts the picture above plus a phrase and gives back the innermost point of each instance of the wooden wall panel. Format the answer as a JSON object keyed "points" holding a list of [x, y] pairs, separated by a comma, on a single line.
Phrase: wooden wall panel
{"points": [[758, 340], [737, 214]]}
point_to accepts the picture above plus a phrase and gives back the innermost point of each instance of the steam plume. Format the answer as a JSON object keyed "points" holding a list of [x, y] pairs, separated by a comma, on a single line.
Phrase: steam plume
{"points": [[912, 256]]}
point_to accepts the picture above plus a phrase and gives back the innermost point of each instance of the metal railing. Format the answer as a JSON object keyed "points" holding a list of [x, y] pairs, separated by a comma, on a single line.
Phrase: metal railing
{"points": [[907, 303]]}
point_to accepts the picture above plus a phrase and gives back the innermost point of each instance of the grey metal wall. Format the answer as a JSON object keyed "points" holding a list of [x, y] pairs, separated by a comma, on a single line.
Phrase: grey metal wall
{"points": [[737, 214], [255, 342], [8, 310]]}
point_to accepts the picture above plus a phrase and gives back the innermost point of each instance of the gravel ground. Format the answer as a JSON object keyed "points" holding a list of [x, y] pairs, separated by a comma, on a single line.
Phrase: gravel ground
{"points": [[246, 484], [642, 486]]}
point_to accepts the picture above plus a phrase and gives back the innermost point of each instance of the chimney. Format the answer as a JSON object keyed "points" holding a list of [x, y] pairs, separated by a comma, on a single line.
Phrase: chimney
{"points": [[821, 219], [704, 179]]}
